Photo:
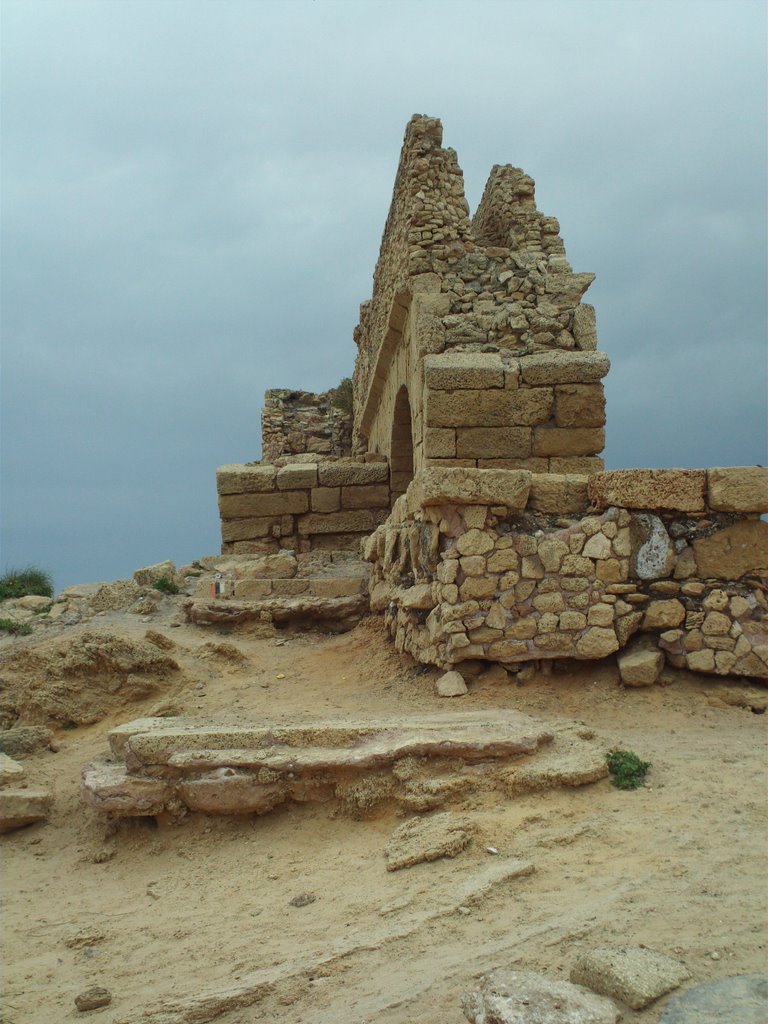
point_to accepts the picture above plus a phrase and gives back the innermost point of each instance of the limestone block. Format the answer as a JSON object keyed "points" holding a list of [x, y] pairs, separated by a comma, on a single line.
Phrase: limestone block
{"points": [[579, 405], [578, 464], [559, 367], [493, 442], [519, 997], [439, 443], [507, 650], [664, 614], [20, 807], [564, 441], [505, 560], [534, 465], [296, 475], [597, 642], [636, 976], [600, 615], [640, 666], [572, 620], [419, 596], [716, 624], [597, 546], [584, 326], [701, 661], [358, 521], [11, 772], [288, 588], [521, 629], [152, 573], [733, 551], [248, 529], [345, 474], [549, 603], [455, 486], [241, 479], [365, 496], [493, 408], [325, 499], [277, 503], [558, 495], [338, 586], [476, 588], [533, 406], [738, 489], [577, 565], [552, 552], [252, 590], [627, 626], [677, 490], [449, 371]]}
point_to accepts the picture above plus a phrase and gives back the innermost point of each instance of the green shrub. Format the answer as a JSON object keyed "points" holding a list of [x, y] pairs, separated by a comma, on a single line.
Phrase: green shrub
{"points": [[21, 582], [165, 585], [627, 770], [16, 628]]}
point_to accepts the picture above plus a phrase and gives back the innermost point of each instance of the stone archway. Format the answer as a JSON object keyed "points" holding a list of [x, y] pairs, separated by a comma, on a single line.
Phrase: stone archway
{"points": [[401, 447]]}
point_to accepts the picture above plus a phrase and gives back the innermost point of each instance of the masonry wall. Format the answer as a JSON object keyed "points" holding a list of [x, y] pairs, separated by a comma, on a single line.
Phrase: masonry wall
{"points": [[298, 422], [510, 566]]}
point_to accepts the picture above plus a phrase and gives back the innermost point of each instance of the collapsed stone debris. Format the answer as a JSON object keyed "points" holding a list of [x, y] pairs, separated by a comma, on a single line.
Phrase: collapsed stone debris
{"points": [[465, 462]]}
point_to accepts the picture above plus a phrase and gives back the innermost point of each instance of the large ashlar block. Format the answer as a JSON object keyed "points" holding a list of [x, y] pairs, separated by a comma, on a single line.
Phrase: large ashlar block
{"points": [[585, 326], [676, 490], [559, 494], [734, 551], [296, 476], [493, 442], [344, 474], [493, 408], [358, 521], [432, 486], [738, 489], [326, 499], [561, 441], [559, 367], [365, 496], [578, 464], [533, 406], [579, 405], [276, 504], [249, 529], [450, 371], [240, 479], [439, 443]]}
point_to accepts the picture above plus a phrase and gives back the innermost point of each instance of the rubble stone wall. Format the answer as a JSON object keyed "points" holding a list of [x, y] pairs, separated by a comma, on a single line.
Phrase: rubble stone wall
{"points": [[302, 506], [513, 566], [296, 422]]}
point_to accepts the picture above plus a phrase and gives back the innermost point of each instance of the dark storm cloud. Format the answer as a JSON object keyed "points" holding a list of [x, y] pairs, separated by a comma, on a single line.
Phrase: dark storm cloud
{"points": [[193, 198]]}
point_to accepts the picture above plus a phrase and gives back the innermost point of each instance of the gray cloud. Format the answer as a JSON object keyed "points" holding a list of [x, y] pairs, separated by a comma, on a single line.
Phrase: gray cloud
{"points": [[193, 199]]}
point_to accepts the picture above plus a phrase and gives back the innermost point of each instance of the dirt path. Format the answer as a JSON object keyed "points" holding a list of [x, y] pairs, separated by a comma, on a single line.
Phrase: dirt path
{"points": [[195, 918]]}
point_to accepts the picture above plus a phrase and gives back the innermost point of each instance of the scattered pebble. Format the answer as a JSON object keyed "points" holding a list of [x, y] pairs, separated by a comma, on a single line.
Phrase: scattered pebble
{"points": [[714, 956], [280, 675], [93, 998], [492, 850], [303, 900]]}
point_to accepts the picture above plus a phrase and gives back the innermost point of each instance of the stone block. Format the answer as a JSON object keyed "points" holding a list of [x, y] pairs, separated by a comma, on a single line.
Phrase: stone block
{"points": [[585, 327], [252, 590], [241, 479], [439, 443], [597, 642], [296, 476], [522, 997], [325, 499], [345, 586], [345, 474], [558, 495], [353, 521], [454, 486], [248, 529], [676, 490], [559, 367], [579, 405], [640, 667], [534, 465], [277, 503], [20, 807], [732, 552], [450, 371], [563, 441], [451, 684], [493, 442], [365, 496], [636, 976], [11, 772], [493, 408], [664, 614], [582, 465], [738, 489], [289, 588], [532, 406]]}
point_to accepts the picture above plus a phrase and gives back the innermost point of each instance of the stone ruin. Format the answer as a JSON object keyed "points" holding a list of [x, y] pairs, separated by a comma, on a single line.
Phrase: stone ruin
{"points": [[464, 463]]}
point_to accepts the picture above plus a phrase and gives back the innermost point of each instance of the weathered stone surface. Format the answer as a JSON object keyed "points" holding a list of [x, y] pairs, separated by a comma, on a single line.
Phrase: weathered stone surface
{"points": [[507, 487], [35, 602], [240, 479], [597, 642], [109, 788], [653, 554], [564, 367], [738, 489], [492, 408], [522, 997], [11, 772], [664, 614], [680, 490], [345, 474], [739, 1000], [579, 405], [730, 553], [451, 684], [462, 370], [640, 666], [24, 739], [558, 494], [635, 975], [571, 441], [352, 521], [426, 839], [277, 503], [296, 476], [93, 998], [20, 807], [365, 496], [493, 442]]}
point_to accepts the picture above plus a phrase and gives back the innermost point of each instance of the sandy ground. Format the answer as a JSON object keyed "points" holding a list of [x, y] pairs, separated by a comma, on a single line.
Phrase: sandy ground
{"points": [[193, 922]]}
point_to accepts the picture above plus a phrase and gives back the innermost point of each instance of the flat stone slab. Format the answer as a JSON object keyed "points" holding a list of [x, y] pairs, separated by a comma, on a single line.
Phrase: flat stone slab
{"points": [[634, 975], [336, 614], [739, 1000], [522, 997], [20, 807], [425, 839], [11, 772]]}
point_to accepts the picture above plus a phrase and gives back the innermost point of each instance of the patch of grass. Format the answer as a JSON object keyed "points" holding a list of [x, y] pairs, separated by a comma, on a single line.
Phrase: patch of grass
{"points": [[627, 770], [21, 582], [165, 585], [15, 628]]}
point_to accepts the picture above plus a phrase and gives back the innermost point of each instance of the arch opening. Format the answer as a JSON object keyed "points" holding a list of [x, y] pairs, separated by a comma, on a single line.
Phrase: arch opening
{"points": [[401, 446]]}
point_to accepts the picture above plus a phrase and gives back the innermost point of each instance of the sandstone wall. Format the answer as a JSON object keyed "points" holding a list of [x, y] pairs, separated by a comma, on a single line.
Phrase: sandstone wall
{"points": [[510, 566], [296, 422], [302, 506]]}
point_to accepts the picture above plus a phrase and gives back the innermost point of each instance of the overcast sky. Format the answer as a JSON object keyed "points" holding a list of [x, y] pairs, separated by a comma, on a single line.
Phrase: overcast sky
{"points": [[193, 195]]}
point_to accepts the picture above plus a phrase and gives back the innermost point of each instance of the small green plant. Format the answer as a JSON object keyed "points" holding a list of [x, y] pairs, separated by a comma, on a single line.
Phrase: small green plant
{"points": [[21, 582], [15, 628], [165, 585], [627, 770]]}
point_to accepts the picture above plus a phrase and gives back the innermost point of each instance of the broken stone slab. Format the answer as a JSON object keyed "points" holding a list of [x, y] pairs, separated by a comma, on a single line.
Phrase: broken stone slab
{"points": [[24, 739], [20, 807], [427, 839], [11, 772], [93, 998], [575, 758], [451, 685], [640, 666], [336, 614], [739, 1000], [522, 997], [634, 975], [110, 789], [674, 490]]}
